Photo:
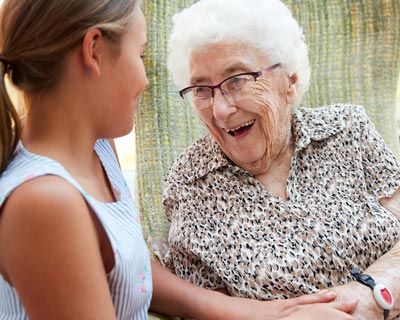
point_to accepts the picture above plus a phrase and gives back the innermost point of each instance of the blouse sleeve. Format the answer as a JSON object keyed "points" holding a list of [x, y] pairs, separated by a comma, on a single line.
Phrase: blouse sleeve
{"points": [[190, 268], [170, 196], [381, 167], [181, 260]]}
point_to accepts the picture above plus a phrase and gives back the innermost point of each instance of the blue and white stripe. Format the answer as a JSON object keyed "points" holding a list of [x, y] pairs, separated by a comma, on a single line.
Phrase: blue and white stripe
{"points": [[130, 281]]}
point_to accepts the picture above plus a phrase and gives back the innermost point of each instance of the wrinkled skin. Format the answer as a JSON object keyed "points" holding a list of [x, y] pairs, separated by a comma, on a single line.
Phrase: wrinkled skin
{"points": [[269, 106]]}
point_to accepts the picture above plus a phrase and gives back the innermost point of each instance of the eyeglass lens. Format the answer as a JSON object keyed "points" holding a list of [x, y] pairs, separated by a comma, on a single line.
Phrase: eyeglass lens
{"points": [[236, 88]]}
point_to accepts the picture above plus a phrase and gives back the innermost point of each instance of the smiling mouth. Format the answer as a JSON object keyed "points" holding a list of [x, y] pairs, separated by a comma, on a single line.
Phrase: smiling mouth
{"points": [[241, 129]]}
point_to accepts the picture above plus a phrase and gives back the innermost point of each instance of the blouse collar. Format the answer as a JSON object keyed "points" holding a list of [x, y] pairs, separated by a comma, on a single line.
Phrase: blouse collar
{"points": [[307, 125]]}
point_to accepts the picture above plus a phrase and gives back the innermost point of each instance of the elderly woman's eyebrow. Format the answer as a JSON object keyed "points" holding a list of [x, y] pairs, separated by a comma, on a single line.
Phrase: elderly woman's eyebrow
{"points": [[198, 80], [231, 70], [237, 67]]}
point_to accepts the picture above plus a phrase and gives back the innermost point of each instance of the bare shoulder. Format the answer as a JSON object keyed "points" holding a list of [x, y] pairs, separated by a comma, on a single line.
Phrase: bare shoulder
{"points": [[49, 251], [43, 210], [42, 202]]}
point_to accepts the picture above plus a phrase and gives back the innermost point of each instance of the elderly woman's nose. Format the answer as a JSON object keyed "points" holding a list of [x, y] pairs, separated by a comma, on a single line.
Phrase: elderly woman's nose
{"points": [[223, 106]]}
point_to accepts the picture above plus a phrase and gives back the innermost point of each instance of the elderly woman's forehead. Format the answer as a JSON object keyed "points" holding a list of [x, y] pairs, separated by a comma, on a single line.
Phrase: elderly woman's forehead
{"points": [[228, 45], [220, 60], [227, 50]]}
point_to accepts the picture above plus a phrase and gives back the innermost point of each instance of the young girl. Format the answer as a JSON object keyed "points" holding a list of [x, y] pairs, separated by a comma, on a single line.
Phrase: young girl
{"points": [[71, 245]]}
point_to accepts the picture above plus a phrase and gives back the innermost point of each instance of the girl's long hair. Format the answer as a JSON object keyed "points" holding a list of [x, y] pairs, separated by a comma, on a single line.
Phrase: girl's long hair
{"points": [[35, 37]]}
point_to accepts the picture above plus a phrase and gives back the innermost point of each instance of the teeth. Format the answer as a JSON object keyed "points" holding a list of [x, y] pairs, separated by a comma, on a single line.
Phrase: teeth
{"points": [[248, 123]]}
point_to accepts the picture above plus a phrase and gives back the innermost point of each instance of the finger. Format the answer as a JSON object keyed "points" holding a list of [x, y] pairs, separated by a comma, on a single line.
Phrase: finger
{"points": [[348, 306], [319, 297], [396, 194]]}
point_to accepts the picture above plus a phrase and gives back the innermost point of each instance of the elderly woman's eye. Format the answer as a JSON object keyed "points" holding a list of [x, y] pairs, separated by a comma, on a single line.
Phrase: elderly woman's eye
{"points": [[236, 83], [201, 92]]}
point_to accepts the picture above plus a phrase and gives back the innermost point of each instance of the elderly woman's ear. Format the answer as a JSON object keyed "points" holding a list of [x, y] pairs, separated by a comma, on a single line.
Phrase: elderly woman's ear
{"points": [[292, 89]]}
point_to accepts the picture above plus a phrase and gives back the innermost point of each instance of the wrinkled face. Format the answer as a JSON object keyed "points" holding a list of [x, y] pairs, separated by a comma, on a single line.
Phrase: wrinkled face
{"points": [[251, 131]]}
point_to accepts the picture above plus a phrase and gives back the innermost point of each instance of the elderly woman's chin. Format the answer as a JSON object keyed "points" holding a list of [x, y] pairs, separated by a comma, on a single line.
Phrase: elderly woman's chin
{"points": [[246, 153]]}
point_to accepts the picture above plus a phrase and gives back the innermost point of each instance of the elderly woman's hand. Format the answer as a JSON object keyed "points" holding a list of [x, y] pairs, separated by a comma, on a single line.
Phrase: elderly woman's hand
{"points": [[311, 307], [367, 307], [392, 203], [337, 310]]}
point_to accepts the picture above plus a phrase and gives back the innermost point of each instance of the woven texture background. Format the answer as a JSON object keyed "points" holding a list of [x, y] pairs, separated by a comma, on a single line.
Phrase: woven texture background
{"points": [[355, 57], [164, 127]]}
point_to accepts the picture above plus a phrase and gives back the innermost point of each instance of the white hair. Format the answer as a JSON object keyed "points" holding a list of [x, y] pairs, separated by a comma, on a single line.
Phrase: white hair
{"points": [[267, 25]]}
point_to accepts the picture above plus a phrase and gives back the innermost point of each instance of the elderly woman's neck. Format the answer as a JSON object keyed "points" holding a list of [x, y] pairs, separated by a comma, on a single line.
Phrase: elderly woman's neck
{"points": [[275, 177]]}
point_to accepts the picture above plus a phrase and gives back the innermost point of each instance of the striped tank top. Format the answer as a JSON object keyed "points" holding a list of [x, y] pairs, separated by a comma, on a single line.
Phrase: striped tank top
{"points": [[130, 280]]}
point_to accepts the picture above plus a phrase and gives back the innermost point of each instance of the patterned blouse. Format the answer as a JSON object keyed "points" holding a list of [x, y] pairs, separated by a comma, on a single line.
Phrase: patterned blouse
{"points": [[228, 231]]}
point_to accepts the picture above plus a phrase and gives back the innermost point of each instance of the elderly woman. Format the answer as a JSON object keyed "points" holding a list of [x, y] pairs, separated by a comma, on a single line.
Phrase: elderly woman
{"points": [[277, 200]]}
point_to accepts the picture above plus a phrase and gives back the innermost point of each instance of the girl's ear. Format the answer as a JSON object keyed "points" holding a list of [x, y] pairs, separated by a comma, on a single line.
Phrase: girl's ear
{"points": [[93, 47]]}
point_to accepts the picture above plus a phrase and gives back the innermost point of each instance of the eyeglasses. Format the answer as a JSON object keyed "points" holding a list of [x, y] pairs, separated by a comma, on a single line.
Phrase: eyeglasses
{"points": [[236, 87]]}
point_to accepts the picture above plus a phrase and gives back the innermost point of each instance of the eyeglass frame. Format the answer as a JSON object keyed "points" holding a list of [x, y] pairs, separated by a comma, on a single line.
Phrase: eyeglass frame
{"points": [[255, 75]]}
